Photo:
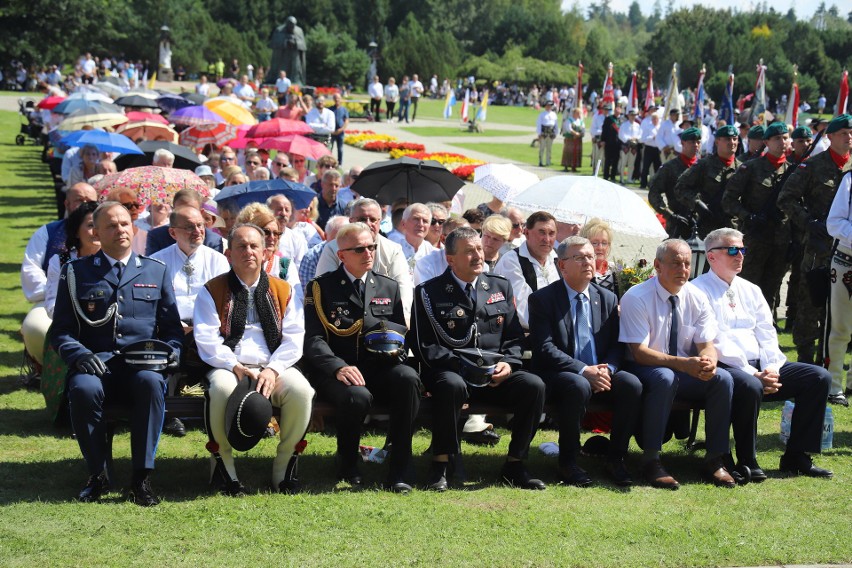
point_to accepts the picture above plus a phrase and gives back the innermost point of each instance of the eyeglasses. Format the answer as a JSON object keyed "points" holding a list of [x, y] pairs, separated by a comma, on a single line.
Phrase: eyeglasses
{"points": [[581, 258], [516, 225], [191, 228], [271, 233], [280, 164], [227, 158], [366, 220], [132, 205], [360, 250], [732, 251], [298, 161], [253, 163], [438, 221]]}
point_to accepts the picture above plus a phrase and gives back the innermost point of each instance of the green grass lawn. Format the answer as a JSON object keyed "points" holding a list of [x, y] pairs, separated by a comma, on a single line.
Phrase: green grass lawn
{"points": [[481, 523], [459, 132], [520, 116]]}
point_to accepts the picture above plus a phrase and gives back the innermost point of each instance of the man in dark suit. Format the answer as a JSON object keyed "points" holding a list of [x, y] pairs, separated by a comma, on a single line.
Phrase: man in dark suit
{"points": [[466, 308], [574, 331], [106, 302], [341, 309], [159, 237]]}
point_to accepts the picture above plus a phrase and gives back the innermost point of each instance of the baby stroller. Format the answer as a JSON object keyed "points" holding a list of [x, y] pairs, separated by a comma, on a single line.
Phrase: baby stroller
{"points": [[31, 122]]}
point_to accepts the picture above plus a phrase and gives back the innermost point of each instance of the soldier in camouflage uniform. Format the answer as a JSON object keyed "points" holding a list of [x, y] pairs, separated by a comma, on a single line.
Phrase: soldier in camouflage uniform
{"points": [[800, 140], [754, 144], [806, 199], [700, 188], [750, 197], [661, 189]]}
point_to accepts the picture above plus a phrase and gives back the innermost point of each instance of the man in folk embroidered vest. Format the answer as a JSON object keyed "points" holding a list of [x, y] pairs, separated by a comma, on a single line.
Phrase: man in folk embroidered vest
{"points": [[247, 325]]}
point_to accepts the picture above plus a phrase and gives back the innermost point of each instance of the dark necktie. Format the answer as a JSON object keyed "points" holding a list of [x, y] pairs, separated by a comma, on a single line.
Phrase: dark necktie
{"points": [[359, 289], [117, 267], [470, 294], [584, 348], [675, 326]]}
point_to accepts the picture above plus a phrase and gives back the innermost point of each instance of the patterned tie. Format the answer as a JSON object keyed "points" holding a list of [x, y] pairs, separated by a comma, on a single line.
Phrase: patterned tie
{"points": [[675, 325], [584, 348]]}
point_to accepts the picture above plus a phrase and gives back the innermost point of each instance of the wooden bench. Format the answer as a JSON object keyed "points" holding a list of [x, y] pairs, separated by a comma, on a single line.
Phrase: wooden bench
{"points": [[192, 407]]}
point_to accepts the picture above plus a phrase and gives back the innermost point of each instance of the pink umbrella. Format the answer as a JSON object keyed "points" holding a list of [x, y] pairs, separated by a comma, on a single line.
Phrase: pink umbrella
{"points": [[136, 116], [152, 184], [217, 134], [242, 141], [278, 127], [296, 144]]}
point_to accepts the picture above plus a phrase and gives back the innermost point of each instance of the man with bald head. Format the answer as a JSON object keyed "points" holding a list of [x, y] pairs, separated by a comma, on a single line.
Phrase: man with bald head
{"points": [[47, 241]]}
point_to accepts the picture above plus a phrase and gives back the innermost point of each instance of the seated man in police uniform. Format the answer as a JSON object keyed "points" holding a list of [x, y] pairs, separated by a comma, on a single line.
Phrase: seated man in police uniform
{"points": [[355, 349], [748, 349], [248, 325], [574, 331], [468, 340], [106, 302]]}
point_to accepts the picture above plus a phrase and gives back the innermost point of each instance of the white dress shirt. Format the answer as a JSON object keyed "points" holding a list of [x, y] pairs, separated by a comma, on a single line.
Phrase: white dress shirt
{"points": [[597, 124], [667, 134], [629, 130], [308, 232], [293, 245], [412, 255], [322, 122], [189, 274], [649, 131], [33, 276], [547, 118], [509, 267], [376, 90], [839, 222], [251, 349], [646, 318], [746, 330]]}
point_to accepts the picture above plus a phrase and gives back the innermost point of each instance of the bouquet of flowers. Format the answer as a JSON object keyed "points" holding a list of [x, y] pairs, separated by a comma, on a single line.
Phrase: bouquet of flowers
{"points": [[628, 275]]}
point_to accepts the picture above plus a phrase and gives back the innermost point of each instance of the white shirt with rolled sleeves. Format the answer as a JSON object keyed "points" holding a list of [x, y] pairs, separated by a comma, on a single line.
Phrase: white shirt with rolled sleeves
{"points": [[646, 318], [206, 264], [509, 267], [251, 349], [839, 222], [389, 261], [746, 330]]}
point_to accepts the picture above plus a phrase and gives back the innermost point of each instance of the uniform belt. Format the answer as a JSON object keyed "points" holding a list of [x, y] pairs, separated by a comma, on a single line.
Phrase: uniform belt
{"points": [[843, 253]]}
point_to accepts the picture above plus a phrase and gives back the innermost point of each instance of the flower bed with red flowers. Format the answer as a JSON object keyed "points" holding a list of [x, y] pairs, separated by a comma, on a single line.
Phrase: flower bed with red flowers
{"points": [[326, 91]]}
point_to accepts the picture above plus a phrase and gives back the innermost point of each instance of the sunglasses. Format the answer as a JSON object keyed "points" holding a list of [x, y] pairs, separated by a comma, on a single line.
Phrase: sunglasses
{"points": [[516, 225], [227, 158], [253, 163], [438, 222], [271, 233], [360, 250], [732, 251], [132, 205], [280, 164]]}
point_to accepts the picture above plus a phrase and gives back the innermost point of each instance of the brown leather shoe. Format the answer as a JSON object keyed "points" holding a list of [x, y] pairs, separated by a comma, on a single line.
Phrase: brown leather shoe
{"points": [[658, 477], [715, 473]]}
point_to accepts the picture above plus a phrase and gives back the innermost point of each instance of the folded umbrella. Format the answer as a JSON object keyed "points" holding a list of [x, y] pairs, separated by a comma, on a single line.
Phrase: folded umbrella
{"points": [[153, 184], [185, 159], [576, 199], [259, 191], [193, 115], [417, 180], [503, 181], [296, 144], [278, 127], [103, 141]]}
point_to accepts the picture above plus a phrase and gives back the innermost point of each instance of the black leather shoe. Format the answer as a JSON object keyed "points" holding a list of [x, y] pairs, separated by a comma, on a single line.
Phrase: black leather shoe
{"points": [[96, 486], [438, 477], [801, 464], [487, 437], [574, 475], [398, 487], [290, 484], [350, 475], [515, 474], [142, 494], [234, 488], [838, 399], [619, 473], [174, 427], [758, 475]]}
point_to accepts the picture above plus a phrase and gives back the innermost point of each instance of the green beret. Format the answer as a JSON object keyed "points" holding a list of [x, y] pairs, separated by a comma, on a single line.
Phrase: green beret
{"points": [[727, 131], [774, 129], [755, 132], [801, 133], [691, 133], [839, 122]]}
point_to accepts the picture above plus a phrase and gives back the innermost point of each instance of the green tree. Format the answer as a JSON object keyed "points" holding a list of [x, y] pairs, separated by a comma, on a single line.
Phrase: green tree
{"points": [[333, 58]]}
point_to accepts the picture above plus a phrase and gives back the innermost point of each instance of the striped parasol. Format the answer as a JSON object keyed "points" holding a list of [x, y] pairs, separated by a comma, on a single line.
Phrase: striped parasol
{"points": [[215, 133]]}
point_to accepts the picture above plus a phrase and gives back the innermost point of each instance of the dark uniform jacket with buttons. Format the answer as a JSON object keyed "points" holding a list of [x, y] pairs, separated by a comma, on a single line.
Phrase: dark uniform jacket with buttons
{"points": [[706, 180], [336, 319], [144, 302], [442, 303], [748, 193]]}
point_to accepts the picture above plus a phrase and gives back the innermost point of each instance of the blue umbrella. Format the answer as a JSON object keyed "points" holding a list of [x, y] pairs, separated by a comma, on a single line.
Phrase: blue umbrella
{"points": [[103, 141], [170, 102], [259, 191]]}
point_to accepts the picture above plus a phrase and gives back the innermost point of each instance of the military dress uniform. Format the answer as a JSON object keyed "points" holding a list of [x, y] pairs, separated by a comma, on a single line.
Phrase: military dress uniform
{"points": [[806, 199], [100, 310], [662, 198], [336, 320], [700, 189], [446, 319], [766, 232]]}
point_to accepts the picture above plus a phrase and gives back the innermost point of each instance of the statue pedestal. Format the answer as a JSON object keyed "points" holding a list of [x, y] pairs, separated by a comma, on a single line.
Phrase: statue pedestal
{"points": [[166, 74]]}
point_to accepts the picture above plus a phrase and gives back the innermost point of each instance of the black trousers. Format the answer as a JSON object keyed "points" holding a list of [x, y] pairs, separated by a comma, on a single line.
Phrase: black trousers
{"points": [[376, 109], [570, 393], [522, 394], [398, 386], [650, 157], [612, 156], [807, 384]]}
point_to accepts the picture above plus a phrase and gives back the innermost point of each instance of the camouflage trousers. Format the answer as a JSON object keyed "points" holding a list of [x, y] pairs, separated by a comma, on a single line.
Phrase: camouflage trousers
{"points": [[810, 318], [765, 266]]}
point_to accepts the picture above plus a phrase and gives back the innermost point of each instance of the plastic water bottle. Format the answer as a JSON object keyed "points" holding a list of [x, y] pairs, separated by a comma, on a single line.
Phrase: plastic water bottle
{"points": [[786, 420], [828, 429], [827, 426]]}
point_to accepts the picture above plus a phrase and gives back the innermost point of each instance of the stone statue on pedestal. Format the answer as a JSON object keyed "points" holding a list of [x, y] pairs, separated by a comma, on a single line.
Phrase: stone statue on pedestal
{"points": [[164, 71], [288, 53]]}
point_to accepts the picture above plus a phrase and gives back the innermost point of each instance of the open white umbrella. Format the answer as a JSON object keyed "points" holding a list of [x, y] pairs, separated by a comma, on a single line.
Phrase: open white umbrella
{"points": [[503, 181], [576, 199]]}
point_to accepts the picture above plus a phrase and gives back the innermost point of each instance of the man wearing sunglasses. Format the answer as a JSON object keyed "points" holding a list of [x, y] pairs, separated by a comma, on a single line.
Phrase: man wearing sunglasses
{"points": [[344, 310], [747, 345]]}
